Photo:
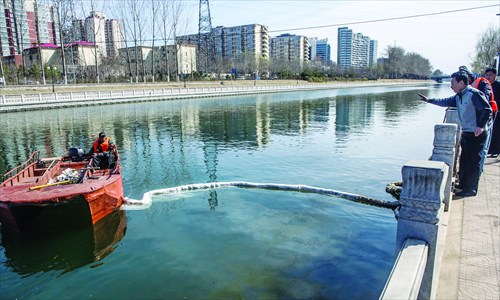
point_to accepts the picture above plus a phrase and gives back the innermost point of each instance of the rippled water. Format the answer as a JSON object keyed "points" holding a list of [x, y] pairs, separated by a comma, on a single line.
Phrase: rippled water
{"points": [[227, 243]]}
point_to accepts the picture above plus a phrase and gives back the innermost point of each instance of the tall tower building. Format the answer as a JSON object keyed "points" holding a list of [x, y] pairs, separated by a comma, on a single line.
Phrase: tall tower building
{"points": [[354, 49], [95, 29], [114, 37]]}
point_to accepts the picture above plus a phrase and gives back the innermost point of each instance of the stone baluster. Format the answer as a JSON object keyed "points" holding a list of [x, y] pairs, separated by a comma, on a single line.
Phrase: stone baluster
{"points": [[420, 212], [445, 139]]}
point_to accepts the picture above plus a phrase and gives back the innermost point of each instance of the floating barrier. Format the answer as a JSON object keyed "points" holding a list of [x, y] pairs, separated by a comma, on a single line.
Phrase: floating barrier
{"points": [[147, 198]]}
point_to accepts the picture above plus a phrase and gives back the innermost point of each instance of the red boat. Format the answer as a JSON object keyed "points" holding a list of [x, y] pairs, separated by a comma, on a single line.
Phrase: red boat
{"points": [[48, 184]]}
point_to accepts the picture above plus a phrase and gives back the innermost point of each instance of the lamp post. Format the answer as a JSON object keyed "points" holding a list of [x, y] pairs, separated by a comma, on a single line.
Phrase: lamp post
{"points": [[53, 71]]}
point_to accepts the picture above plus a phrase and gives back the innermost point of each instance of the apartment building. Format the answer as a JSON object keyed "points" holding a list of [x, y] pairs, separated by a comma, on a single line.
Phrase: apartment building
{"points": [[114, 37], [289, 47], [236, 41], [355, 50], [107, 34], [18, 26]]}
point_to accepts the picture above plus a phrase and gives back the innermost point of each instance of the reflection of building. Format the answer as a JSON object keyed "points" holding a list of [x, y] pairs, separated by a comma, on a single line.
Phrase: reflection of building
{"points": [[355, 50], [289, 47]]}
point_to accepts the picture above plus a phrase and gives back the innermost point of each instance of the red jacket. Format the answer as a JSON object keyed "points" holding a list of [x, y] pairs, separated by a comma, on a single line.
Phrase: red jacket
{"points": [[492, 101]]}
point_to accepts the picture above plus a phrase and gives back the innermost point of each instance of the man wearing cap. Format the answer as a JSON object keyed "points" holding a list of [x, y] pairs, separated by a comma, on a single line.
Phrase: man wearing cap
{"points": [[474, 113], [102, 150], [484, 86]]}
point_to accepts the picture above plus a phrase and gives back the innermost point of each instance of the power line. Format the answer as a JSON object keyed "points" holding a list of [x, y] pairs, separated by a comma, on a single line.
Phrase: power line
{"points": [[387, 19], [344, 24]]}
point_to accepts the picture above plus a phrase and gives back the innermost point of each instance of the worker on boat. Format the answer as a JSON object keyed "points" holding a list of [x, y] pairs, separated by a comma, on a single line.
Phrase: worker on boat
{"points": [[102, 152]]}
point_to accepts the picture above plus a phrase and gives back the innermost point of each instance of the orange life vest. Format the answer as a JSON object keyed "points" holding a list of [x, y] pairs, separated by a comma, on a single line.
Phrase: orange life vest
{"points": [[493, 103], [102, 147]]}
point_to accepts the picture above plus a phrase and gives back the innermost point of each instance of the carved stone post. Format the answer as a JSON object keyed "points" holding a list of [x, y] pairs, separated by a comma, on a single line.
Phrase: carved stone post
{"points": [[451, 117], [421, 207], [445, 138]]}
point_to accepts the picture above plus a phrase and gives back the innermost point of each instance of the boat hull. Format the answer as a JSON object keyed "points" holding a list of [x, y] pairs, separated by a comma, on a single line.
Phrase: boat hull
{"points": [[31, 193]]}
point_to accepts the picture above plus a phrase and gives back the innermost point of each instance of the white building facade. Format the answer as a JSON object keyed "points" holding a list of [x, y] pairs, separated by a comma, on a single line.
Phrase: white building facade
{"points": [[355, 50]]}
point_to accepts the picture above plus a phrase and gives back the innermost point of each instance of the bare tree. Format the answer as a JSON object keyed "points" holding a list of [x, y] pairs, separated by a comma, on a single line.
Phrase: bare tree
{"points": [[166, 33], [487, 47], [155, 7], [37, 27]]}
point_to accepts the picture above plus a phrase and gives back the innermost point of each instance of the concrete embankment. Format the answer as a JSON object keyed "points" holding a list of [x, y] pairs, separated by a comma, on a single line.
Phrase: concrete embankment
{"points": [[75, 96]]}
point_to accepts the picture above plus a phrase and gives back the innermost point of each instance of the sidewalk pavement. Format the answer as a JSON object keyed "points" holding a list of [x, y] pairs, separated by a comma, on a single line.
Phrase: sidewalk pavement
{"points": [[471, 262]]}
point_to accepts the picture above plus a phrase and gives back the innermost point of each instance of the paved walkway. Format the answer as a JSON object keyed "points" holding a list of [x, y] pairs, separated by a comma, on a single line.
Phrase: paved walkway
{"points": [[471, 261]]}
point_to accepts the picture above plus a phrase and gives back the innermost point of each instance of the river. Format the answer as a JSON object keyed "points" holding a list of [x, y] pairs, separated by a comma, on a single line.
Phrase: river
{"points": [[227, 243]]}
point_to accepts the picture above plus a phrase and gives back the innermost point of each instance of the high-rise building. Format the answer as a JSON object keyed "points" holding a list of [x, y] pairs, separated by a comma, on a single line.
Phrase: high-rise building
{"points": [[355, 50], [114, 37], [106, 33], [290, 47], [95, 30], [319, 50], [233, 42], [373, 52], [18, 21]]}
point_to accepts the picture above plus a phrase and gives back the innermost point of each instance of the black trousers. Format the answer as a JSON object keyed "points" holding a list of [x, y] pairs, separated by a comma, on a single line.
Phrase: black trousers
{"points": [[470, 160]]}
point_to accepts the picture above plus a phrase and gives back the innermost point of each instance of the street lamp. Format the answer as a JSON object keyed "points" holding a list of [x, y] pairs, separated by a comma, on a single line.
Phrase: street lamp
{"points": [[53, 71]]}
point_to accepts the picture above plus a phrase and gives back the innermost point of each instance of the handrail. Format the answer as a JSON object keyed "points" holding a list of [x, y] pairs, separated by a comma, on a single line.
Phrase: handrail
{"points": [[33, 157], [408, 271]]}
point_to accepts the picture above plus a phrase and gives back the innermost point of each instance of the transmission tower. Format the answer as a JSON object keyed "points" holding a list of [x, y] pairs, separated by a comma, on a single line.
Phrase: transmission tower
{"points": [[206, 40]]}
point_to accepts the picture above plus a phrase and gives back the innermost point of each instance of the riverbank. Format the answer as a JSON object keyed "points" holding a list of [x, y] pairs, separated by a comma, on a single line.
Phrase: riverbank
{"points": [[24, 99], [59, 88]]}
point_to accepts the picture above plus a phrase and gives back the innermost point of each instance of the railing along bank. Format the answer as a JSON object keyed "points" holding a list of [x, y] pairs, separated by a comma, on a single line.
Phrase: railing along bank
{"points": [[425, 198], [139, 94]]}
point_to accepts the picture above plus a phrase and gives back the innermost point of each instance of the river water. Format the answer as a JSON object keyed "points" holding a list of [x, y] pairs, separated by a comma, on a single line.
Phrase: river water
{"points": [[227, 243]]}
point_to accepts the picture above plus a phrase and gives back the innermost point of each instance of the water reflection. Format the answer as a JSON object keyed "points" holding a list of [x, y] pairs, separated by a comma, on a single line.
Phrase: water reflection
{"points": [[61, 248], [145, 128]]}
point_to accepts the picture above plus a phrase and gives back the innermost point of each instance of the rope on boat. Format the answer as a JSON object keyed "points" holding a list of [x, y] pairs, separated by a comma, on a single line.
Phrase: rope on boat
{"points": [[146, 201]]}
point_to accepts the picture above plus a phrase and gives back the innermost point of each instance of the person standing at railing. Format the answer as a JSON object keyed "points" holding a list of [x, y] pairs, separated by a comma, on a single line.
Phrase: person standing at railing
{"points": [[494, 150], [475, 115]]}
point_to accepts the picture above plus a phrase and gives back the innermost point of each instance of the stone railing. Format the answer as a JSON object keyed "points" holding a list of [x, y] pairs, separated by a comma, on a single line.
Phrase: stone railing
{"points": [[425, 198], [113, 96]]}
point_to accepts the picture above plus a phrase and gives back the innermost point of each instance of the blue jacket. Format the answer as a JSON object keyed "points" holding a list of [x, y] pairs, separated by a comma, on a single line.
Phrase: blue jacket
{"points": [[472, 106]]}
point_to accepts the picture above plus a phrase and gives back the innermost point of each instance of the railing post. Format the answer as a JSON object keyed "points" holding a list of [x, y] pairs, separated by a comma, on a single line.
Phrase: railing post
{"points": [[451, 117], [3, 99], [444, 150], [420, 212]]}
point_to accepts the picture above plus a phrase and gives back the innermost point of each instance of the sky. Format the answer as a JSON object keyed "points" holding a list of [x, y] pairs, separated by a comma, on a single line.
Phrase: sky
{"points": [[443, 31], [447, 40]]}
